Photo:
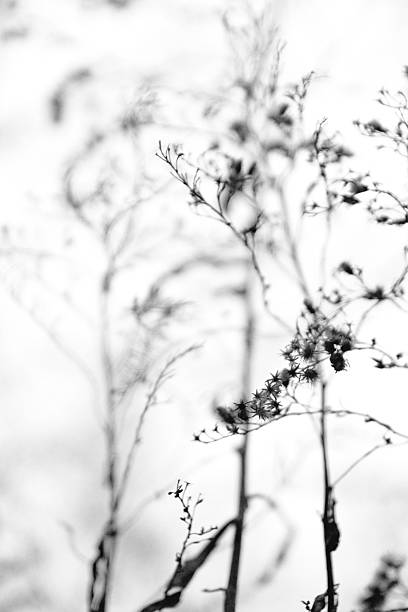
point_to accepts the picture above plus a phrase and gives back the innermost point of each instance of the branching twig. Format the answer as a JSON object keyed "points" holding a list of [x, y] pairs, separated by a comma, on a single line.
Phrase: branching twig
{"points": [[162, 376], [186, 569]]}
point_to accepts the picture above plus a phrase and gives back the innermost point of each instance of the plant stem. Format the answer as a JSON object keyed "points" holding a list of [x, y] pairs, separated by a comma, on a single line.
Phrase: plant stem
{"points": [[328, 499], [291, 242], [327, 507], [102, 564], [232, 587]]}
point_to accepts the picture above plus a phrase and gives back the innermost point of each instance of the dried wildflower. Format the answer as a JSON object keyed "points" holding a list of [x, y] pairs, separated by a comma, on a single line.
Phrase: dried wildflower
{"points": [[346, 267], [310, 374], [273, 386], [350, 199], [357, 187], [308, 350], [242, 411], [379, 363], [226, 415], [261, 411], [285, 377], [346, 345], [374, 126], [375, 294], [337, 360], [336, 343], [309, 306]]}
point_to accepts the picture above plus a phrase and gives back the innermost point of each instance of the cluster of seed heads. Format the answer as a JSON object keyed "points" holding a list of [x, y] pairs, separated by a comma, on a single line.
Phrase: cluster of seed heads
{"points": [[319, 342]]}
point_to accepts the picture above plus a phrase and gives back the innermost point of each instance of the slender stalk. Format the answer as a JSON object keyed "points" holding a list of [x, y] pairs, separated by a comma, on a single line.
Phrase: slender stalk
{"points": [[231, 591], [102, 564], [327, 505]]}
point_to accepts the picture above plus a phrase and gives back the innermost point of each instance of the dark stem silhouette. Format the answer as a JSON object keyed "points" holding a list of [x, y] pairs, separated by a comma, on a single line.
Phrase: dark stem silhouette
{"points": [[330, 530], [243, 450]]}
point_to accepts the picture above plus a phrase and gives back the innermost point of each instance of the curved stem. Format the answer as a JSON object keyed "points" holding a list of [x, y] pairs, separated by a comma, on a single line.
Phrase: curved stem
{"points": [[102, 564]]}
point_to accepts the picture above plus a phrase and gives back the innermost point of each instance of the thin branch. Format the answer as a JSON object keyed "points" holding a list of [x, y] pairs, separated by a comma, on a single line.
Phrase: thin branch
{"points": [[357, 462], [150, 400], [56, 340], [329, 411], [218, 214]]}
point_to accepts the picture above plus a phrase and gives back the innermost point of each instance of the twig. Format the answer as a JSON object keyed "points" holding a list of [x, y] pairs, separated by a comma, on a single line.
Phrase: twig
{"points": [[150, 400], [172, 159], [159, 493], [184, 574], [358, 461]]}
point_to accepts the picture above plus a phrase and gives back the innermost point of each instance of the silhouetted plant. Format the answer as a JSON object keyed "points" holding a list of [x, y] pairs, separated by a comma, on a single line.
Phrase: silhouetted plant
{"points": [[238, 170], [244, 180]]}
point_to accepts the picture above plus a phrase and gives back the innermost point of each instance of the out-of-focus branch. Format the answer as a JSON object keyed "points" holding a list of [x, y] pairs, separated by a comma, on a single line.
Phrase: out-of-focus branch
{"points": [[151, 398]]}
